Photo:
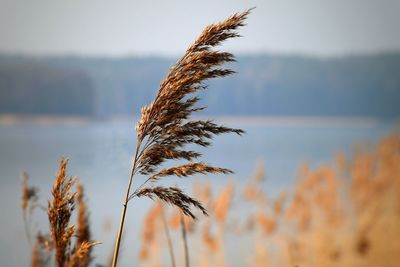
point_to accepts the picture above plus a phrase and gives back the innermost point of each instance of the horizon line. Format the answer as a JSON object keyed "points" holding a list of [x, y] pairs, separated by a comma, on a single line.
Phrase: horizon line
{"points": [[174, 56]]}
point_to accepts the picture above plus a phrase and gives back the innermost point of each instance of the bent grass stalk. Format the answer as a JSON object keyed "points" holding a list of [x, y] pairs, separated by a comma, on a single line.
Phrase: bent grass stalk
{"points": [[121, 224], [165, 127]]}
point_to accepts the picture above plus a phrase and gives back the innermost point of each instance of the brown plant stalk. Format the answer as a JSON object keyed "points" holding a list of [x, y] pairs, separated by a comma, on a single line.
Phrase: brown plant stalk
{"points": [[168, 236], [165, 127], [184, 239]]}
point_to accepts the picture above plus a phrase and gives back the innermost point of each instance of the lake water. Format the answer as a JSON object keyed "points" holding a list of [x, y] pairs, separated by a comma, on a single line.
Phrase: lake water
{"points": [[100, 154]]}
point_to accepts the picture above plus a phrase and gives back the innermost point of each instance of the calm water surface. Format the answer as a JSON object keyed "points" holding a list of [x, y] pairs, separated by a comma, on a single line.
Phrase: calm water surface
{"points": [[100, 154]]}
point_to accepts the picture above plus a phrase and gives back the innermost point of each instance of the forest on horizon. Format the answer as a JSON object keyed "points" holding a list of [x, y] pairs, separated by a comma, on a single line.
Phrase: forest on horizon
{"points": [[265, 85]]}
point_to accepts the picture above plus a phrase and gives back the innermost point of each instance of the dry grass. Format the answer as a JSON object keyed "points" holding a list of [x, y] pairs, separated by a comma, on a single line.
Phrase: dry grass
{"points": [[57, 245], [163, 133], [166, 128], [346, 213], [82, 232], [343, 214], [59, 212], [173, 196]]}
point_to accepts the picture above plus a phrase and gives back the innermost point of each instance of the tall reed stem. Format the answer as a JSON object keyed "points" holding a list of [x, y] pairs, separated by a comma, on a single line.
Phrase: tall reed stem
{"points": [[124, 208], [167, 234], [184, 238], [165, 123]]}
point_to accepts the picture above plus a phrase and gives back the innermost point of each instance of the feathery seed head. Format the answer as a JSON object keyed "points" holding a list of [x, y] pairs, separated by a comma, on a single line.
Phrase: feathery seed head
{"points": [[175, 197], [166, 127]]}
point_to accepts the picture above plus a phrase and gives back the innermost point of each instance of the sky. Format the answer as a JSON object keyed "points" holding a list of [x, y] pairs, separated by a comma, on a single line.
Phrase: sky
{"points": [[160, 27]]}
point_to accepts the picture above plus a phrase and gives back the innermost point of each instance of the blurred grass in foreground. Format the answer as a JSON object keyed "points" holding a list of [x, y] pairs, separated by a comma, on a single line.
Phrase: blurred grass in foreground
{"points": [[346, 213], [343, 214]]}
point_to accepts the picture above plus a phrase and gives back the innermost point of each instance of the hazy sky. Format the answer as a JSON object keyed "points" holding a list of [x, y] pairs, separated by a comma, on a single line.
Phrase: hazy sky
{"points": [[120, 27]]}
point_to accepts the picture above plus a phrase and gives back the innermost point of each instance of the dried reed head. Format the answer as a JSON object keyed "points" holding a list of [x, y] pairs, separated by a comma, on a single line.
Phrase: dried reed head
{"points": [[165, 127], [173, 196], [59, 212], [80, 257], [149, 231], [164, 116], [223, 203], [175, 220], [253, 193], [267, 224], [83, 234], [83, 230], [189, 169]]}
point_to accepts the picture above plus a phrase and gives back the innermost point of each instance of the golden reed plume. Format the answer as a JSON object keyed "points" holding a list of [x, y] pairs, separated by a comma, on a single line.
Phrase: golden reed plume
{"points": [[83, 230], [166, 127], [59, 212]]}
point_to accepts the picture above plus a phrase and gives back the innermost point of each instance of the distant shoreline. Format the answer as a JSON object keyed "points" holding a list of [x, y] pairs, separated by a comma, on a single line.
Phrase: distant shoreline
{"points": [[11, 119]]}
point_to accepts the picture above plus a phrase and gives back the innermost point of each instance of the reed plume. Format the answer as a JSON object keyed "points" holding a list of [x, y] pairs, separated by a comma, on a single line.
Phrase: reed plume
{"points": [[173, 196], [223, 203], [59, 212], [166, 127], [83, 234], [267, 224], [81, 255], [83, 230]]}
